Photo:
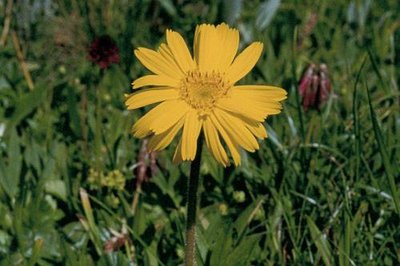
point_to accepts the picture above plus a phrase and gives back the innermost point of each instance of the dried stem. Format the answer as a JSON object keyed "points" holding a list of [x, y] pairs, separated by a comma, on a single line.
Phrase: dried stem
{"points": [[138, 191], [21, 60], [84, 123], [7, 23]]}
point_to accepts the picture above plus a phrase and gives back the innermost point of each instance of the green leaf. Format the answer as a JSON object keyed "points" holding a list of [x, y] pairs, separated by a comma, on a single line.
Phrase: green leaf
{"points": [[247, 216], [266, 12], [377, 72], [169, 6], [384, 154], [356, 122], [242, 253], [232, 10], [150, 251], [73, 112], [10, 169], [320, 241], [36, 250], [56, 188], [27, 103], [92, 227], [222, 247], [76, 234], [5, 241]]}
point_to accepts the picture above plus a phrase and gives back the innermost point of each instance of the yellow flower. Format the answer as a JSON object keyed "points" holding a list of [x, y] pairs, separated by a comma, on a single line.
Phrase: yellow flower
{"points": [[199, 94]]}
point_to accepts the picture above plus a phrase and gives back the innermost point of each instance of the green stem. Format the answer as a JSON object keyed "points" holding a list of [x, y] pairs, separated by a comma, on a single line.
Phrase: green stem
{"points": [[190, 250]]}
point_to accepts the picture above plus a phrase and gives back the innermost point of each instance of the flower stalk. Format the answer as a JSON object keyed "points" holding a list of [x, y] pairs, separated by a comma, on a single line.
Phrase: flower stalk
{"points": [[193, 183]]}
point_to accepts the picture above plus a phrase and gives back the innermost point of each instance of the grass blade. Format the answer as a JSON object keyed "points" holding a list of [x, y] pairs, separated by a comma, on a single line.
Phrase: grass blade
{"points": [[356, 123], [376, 69], [320, 241], [384, 154]]}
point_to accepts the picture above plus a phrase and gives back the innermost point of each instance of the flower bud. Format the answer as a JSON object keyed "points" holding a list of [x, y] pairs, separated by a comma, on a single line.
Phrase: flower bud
{"points": [[239, 196], [315, 86], [223, 209]]}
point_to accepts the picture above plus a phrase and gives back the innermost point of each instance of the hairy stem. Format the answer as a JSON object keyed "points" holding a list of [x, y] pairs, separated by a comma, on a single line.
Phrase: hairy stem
{"points": [[190, 250]]}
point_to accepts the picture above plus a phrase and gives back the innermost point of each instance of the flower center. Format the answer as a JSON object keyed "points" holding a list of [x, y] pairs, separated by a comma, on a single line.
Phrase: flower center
{"points": [[201, 90]]}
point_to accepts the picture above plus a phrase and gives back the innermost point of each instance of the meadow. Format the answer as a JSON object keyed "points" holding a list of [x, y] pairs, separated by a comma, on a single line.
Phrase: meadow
{"points": [[76, 188]]}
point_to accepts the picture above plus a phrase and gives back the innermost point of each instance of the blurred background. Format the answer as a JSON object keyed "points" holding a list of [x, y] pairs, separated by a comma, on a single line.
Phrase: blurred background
{"points": [[77, 189]]}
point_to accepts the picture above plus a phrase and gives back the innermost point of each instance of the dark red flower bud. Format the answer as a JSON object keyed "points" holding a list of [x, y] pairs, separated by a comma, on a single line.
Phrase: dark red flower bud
{"points": [[315, 86], [306, 80], [325, 86], [103, 51]]}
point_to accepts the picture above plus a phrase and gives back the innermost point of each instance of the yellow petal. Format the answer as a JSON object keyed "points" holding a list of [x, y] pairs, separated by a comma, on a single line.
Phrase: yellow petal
{"points": [[265, 98], [196, 44], [229, 44], [149, 96], [158, 64], [232, 146], [261, 92], [180, 51], [214, 144], [237, 129], [206, 44], [244, 107], [253, 102], [191, 131], [244, 62], [178, 155], [172, 113], [155, 80], [257, 129], [165, 51], [160, 118], [161, 141], [215, 46]]}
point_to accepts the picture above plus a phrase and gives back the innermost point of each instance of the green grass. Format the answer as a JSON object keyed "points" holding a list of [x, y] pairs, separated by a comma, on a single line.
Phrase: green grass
{"points": [[322, 190]]}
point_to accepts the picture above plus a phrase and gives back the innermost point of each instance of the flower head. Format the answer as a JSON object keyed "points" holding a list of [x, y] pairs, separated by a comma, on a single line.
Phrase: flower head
{"points": [[103, 51], [198, 94]]}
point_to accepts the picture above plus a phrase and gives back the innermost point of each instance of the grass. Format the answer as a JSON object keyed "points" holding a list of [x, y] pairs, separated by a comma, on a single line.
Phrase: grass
{"points": [[322, 189]]}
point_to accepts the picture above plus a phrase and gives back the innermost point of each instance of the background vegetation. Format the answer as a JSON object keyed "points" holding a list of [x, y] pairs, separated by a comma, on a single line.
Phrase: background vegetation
{"points": [[76, 190]]}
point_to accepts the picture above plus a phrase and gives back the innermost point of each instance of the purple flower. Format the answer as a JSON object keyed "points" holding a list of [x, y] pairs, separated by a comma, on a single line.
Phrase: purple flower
{"points": [[103, 51]]}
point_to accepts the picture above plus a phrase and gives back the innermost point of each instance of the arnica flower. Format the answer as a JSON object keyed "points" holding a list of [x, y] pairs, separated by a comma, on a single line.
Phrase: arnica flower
{"points": [[103, 51], [198, 94]]}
